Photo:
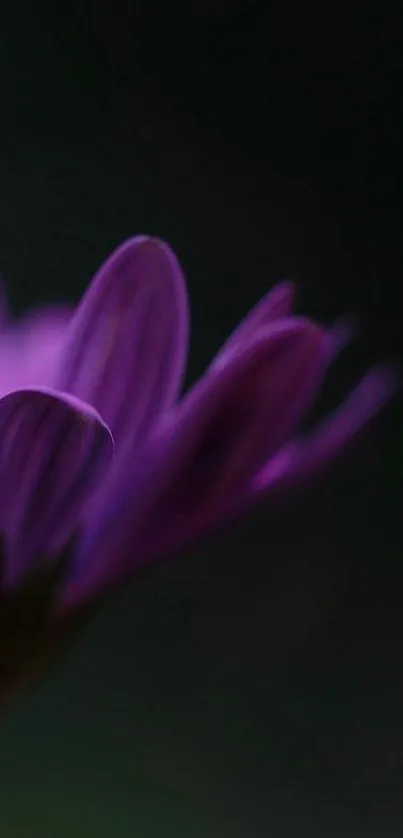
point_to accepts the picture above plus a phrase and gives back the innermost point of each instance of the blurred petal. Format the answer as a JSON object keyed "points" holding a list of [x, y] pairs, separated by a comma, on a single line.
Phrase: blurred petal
{"points": [[29, 349], [53, 452], [247, 407], [127, 343], [306, 456], [210, 449], [276, 305]]}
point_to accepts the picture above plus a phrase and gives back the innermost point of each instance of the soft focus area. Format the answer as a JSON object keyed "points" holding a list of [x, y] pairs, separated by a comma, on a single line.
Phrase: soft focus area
{"points": [[253, 685]]}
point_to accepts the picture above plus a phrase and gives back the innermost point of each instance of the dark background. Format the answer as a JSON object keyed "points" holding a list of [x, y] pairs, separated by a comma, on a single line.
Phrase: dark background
{"points": [[253, 686]]}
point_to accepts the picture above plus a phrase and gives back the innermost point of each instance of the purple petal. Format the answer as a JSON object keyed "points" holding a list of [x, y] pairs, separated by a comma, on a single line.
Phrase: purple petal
{"points": [[276, 305], [127, 344], [235, 417], [209, 450], [304, 457], [29, 349], [53, 452]]}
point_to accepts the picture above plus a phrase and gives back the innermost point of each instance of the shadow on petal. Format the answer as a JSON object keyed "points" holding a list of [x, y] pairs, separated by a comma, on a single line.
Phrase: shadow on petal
{"points": [[54, 451]]}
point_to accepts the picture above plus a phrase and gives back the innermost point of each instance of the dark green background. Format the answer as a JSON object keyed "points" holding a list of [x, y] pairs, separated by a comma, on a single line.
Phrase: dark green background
{"points": [[254, 686]]}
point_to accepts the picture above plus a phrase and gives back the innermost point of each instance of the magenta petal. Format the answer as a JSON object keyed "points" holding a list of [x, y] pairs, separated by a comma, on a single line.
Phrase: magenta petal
{"points": [[29, 349], [276, 305], [53, 452], [304, 457], [127, 343]]}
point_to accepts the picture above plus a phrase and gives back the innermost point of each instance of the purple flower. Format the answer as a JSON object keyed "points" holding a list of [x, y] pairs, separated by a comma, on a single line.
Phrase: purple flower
{"points": [[181, 465]]}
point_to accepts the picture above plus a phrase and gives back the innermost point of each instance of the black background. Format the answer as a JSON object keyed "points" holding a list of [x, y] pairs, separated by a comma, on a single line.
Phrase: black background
{"points": [[255, 685]]}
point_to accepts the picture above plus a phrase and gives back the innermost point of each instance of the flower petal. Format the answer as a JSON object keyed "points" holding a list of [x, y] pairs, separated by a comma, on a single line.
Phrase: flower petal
{"points": [[276, 305], [29, 349], [209, 450], [305, 457], [126, 347], [53, 451], [230, 422]]}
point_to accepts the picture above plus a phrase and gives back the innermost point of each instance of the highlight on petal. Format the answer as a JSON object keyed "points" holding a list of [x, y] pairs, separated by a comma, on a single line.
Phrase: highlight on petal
{"points": [[54, 450], [29, 348], [304, 457], [126, 347], [276, 305], [210, 449]]}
